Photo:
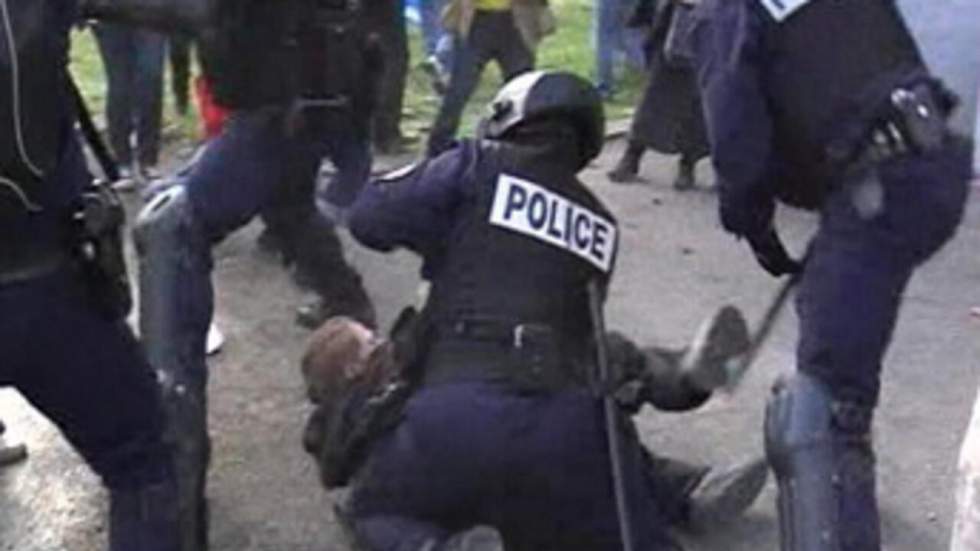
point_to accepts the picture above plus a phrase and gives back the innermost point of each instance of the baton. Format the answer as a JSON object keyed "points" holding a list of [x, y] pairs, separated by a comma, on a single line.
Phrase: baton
{"points": [[739, 365], [613, 436]]}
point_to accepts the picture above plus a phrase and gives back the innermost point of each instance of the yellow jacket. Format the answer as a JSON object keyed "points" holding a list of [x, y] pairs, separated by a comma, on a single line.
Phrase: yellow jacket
{"points": [[533, 19]]}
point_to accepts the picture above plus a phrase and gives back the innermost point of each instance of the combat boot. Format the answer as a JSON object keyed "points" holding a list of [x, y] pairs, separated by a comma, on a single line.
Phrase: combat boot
{"points": [[144, 518], [628, 167], [346, 299], [685, 179], [724, 493], [711, 361]]}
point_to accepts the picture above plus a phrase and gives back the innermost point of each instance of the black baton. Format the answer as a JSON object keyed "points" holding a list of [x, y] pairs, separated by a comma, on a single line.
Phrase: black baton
{"points": [[613, 436]]}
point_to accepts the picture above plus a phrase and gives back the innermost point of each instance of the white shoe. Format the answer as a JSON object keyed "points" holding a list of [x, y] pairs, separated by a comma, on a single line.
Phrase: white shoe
{"points": [[215, 341], [126, 181]]}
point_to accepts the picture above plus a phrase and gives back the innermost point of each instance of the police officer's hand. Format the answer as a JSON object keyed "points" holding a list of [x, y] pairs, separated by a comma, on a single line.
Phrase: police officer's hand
{"points": [[771, 254]]}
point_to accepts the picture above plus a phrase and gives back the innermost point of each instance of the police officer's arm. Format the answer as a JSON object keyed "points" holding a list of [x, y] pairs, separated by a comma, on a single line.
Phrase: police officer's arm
{"points": [[730, 51], [414, 207]]}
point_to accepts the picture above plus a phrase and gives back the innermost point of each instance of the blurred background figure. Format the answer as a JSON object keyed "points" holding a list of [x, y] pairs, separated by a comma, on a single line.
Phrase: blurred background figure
{"points": [[133, 60], [613, 39], [180, 71], [669, 118], [387, 19], [505, 31], [437, 42]]}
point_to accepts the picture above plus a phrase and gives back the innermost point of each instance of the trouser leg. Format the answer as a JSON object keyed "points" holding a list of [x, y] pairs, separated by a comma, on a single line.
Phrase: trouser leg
{"points": [[874, 232], [468, 61], [117, 45], [116, 422], [391, 26], [148, 90], [180, 67]]}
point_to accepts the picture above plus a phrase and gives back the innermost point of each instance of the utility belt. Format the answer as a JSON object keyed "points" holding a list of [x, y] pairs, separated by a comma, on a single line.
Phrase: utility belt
{"points": [[89, 238], [529, 357], [912, 121]]}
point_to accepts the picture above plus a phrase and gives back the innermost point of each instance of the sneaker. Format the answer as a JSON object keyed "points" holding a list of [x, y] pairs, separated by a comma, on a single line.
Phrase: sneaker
{"points": [[438, 75], [148, 174], [725, 493], [711, 361], [215, 340], [126, 181]]}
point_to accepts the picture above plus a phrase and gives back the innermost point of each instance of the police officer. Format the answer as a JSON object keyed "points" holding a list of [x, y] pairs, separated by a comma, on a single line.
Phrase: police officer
{"points": [[503, 440], [294, 73], [827, 105], [63, 339]]}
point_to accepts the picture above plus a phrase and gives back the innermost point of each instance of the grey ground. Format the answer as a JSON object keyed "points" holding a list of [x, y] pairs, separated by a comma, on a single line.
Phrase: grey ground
{"points": [[675, 268]]}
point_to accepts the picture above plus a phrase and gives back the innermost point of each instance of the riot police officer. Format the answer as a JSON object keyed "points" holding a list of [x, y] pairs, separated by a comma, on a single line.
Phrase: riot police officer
{"points": [[503, 438], [828, 106], [296, 75], [63, 311]]}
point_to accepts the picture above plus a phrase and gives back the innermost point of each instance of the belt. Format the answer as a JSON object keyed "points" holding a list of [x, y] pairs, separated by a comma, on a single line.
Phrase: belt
{"points": [[526, 356], [913, 122]]}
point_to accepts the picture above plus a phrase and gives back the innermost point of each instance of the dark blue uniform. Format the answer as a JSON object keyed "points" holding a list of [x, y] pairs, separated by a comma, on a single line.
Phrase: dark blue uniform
{"points": [[858, 262], [268, 61], [79, 366], [492, 436], [804, 102]]}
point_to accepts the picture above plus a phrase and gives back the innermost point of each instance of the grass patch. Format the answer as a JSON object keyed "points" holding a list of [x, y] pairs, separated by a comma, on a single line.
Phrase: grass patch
{"points": [[570, 49]]}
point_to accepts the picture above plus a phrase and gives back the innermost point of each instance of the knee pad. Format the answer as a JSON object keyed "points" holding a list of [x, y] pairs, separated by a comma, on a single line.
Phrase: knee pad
{"points": [[174, 272], [820, 451], [175, 311]]}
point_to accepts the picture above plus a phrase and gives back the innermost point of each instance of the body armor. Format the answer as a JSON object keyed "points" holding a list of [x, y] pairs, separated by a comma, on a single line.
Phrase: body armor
{"points": [[510, 291], [820, 94]]}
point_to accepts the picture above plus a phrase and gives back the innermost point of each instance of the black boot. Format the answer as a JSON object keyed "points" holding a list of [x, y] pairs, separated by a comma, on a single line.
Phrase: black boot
{"points": [[685, 174], [628, 167], [145, 518], [346, 297]]}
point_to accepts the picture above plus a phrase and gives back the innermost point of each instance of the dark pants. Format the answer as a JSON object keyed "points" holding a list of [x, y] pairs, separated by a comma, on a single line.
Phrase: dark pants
{"points": [[492, 36], [859, 266], [387, 18], [253, 167], [87, 375], [133, 61], [180, 71], [534, 466]]}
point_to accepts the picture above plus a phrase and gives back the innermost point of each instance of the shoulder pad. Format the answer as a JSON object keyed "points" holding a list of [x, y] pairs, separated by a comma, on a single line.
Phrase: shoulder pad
{"points": [[780, 10], [399, 174]]}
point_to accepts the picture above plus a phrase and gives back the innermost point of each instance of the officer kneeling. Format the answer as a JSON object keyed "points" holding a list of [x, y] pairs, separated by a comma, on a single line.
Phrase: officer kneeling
{"points": [[500, 435]]}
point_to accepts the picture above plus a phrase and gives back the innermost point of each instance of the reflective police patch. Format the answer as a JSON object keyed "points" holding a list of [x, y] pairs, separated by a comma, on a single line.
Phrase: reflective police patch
{"points": [[532, 210], [782, 9]]}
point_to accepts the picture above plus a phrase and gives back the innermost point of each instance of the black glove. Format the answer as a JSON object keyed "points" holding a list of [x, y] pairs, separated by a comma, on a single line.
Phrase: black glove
{"points": [[771, 254]]}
